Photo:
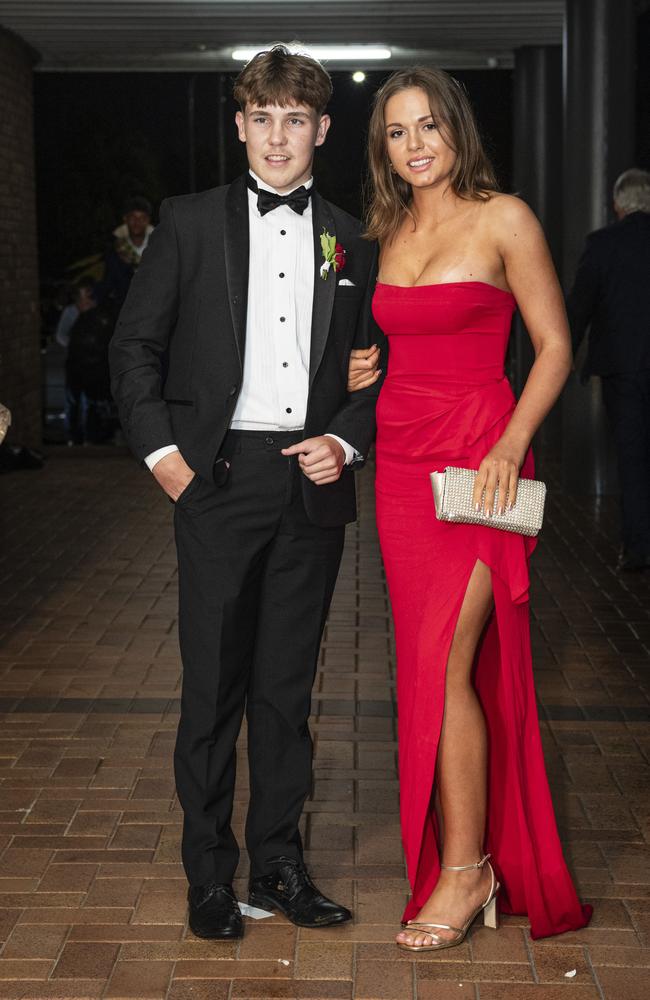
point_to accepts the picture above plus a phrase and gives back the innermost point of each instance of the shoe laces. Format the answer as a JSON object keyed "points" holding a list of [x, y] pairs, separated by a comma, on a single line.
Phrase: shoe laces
{"points": [[293, 875], [211, 889]]}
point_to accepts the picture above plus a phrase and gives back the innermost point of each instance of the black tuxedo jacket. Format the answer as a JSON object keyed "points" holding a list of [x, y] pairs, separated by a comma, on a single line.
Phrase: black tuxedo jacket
{"points": [[178, 350], [612, 293]]}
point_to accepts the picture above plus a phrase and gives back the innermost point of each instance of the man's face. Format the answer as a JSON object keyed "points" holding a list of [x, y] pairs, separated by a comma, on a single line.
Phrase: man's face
{"points": [[137, 223], [84, 298], [280, 142]]}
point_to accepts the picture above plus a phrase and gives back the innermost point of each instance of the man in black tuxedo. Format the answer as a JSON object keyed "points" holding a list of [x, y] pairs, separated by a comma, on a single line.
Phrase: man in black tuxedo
{"points": [[229, 366], [612, 293]]}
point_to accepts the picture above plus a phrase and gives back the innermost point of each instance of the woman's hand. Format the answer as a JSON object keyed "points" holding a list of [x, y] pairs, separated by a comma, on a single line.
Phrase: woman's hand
{"points": [[362, 371], [498, 470]]}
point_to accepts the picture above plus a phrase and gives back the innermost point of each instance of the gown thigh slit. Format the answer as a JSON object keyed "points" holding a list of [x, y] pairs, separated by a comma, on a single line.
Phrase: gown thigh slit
{"points": [[432, 836], [445, 402]]}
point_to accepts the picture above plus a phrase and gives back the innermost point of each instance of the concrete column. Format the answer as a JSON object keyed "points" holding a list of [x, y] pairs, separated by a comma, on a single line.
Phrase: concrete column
{"points": [[537, 167], [20, 359], [599, 59], [538, 137]]}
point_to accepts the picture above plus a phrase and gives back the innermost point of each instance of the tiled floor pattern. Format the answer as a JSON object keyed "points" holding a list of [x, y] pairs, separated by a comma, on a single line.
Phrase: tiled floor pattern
{"points": [[92, 894]]}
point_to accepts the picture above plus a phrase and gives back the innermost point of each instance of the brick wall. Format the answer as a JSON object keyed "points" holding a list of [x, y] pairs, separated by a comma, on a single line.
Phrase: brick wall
{"points": [[20, 360]]}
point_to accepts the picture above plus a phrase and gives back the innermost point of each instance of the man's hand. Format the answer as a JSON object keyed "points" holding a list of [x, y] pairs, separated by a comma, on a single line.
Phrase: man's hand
{"points": [[363, 368], [321, 459], [174, 474]]}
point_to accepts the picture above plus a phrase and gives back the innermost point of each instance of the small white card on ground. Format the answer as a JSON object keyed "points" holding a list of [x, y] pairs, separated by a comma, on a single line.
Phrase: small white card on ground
{"points": [[253, 911]]}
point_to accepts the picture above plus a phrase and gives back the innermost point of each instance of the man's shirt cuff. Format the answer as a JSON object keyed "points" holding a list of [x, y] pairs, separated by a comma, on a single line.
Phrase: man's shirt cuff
{"points": [[351, 454], [155, 456]]}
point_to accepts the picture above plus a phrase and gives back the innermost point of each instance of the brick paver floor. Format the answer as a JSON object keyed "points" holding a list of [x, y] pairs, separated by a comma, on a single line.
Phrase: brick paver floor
{"points": [[92, 893]]}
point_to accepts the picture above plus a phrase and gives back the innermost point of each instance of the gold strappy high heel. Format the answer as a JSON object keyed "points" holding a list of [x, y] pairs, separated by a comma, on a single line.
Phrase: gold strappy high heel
{"points": [[489, 908]]}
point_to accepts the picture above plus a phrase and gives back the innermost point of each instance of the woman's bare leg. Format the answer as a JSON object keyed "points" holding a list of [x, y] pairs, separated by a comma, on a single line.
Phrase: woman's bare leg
{"points": [[461, 773]]}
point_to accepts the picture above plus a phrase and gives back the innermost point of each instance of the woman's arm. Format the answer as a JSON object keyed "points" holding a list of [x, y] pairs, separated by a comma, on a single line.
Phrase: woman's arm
{"points": [[531, 276]]}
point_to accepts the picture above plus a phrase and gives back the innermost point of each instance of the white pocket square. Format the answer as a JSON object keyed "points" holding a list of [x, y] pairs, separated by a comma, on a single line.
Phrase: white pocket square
{"points": [[344, 281]]}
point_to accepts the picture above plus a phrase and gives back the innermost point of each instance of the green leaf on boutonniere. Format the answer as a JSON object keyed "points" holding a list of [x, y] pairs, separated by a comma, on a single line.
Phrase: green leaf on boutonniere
{"points": [[330, 260]]}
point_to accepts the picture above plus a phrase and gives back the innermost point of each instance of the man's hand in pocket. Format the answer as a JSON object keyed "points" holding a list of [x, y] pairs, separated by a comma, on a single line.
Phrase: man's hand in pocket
{"points": [[174, 474]]}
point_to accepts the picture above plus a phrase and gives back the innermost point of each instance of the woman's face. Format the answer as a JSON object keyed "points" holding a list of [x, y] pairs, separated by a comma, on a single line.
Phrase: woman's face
{"points": [[415, 145]]}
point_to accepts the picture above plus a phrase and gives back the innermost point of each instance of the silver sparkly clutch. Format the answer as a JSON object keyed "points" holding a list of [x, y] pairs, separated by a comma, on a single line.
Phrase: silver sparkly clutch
{"points": [[5, 421], [452, 494]]}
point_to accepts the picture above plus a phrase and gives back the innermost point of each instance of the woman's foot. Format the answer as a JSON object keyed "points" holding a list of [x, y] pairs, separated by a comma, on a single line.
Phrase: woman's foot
{"points": [[455, 898]]}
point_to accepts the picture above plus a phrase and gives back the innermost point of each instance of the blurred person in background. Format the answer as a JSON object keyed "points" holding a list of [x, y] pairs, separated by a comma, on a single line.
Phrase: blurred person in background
{"points": [[82, 299], [88, 396], [131, 238], [611, 298], [75, 404]]}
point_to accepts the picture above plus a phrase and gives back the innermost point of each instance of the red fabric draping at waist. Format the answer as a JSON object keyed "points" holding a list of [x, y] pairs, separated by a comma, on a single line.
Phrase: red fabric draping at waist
{"points": [[427, 421]]}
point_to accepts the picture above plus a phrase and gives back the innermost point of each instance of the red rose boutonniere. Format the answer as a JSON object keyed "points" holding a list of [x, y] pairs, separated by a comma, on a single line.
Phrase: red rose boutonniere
{"points": [[333, 254]]}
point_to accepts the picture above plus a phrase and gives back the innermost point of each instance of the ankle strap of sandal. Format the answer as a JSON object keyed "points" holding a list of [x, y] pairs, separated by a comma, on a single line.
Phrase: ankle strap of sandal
{"points": [[466, 868]]}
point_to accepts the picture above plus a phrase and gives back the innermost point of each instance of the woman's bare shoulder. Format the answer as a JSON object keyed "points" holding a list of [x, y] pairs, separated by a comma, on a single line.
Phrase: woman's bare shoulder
{"points": [[511, 222], [508, 210]]}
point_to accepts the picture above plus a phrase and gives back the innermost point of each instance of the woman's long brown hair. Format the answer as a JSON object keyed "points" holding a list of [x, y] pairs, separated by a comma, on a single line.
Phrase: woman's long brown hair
{"points": [[472, 176]]}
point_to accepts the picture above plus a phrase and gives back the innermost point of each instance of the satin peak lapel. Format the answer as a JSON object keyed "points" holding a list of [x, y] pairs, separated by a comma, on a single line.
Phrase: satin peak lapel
{"points": [[324, 288], [236, 246]]}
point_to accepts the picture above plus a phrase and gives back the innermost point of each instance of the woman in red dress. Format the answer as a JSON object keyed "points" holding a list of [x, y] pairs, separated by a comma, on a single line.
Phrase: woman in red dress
{"points": [[456, 259]]}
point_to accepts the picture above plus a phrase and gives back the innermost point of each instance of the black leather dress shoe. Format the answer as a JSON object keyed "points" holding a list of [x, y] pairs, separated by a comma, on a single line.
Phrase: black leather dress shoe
{"points": [[290, 890], [214, 912]]}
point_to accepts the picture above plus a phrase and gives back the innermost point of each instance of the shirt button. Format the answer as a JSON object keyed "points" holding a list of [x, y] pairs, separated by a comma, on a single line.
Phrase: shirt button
{"points": [[282, 274], [283, 232], [285, 364], [288, 409], [282, 319]]}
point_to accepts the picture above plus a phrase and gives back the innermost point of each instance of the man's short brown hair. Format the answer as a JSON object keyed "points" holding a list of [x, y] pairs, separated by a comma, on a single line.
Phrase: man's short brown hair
{"points": [[278, 76]]}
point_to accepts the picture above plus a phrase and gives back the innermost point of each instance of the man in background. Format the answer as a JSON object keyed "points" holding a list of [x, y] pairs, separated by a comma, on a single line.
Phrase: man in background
{"points": [[77, 404], [611, 296], [83, 297], [131, 238], [88, 395]]}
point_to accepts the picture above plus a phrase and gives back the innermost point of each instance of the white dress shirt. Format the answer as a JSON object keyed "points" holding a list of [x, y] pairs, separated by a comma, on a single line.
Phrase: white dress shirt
{"points": [[122, 233], [281, 274], [67, 320]]}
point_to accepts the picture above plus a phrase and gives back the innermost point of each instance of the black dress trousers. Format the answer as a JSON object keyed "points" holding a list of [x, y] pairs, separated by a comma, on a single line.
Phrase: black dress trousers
{"points": [[256, 579], [627, 404]]}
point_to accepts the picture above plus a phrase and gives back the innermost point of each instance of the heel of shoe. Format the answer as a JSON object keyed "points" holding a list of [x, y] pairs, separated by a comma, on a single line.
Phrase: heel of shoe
{"points": [[491, 915], [261, 902]]}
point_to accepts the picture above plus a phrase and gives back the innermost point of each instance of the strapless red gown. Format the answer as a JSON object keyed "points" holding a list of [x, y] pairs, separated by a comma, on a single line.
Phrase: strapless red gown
{"points": [[446, 401]]}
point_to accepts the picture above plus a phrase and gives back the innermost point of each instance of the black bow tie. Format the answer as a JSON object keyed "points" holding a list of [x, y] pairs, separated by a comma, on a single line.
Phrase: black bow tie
{"points": [[268, 200]]}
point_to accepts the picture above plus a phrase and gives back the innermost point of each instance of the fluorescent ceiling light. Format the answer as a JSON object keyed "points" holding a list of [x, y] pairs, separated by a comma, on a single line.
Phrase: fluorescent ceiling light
{"points": [[355, 53]]}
